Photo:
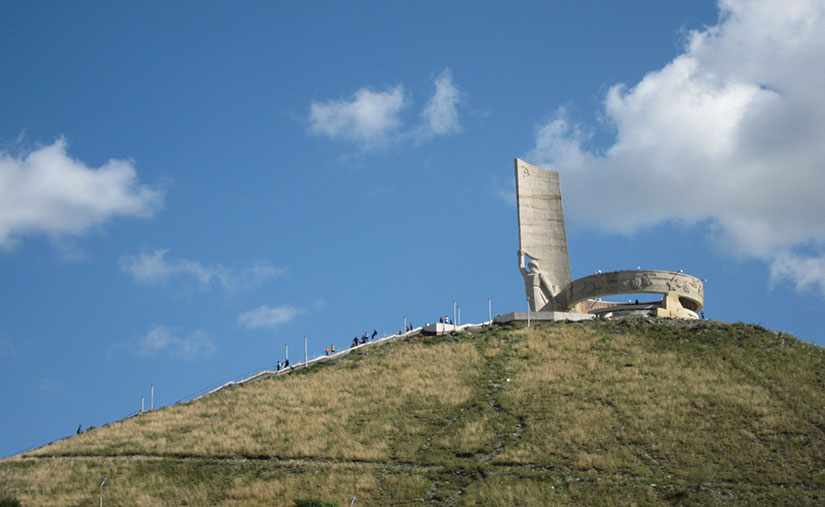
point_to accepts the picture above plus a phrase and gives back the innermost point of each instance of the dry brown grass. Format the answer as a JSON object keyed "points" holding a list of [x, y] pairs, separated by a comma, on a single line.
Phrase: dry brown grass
{"points": [[596, 413], [351, 412], [615, 404], [473, 435], [160, 482]]}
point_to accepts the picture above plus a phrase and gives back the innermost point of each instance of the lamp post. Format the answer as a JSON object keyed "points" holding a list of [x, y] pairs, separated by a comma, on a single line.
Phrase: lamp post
{"points": [[101, 490], [453, 314], [528, 312]]}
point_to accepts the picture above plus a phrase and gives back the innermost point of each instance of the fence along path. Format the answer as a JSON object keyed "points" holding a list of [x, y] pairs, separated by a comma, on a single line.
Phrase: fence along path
{"points": [[224, 383], [286, 371]]}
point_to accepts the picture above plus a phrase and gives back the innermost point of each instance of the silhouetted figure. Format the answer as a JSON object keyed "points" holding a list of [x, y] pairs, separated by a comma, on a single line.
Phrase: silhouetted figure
{"points": [[355, 342], [79, 429], [278, 366], [374, 333], [286, 363]]}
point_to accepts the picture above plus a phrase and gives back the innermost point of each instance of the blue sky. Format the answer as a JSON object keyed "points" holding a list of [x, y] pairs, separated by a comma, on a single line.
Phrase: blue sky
{"points": [[187, 187]]}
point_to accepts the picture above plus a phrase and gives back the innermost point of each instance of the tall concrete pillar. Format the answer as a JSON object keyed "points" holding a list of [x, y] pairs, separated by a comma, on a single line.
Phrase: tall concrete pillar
{"points": [[542, 236]]}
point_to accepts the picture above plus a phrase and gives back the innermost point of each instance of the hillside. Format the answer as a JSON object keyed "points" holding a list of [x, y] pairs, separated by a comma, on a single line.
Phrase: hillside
{"points": [[631, 411]]}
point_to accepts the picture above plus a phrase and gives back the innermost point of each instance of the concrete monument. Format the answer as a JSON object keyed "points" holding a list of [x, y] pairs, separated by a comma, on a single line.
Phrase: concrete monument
{"points": [[547, 278], [542, 236]]}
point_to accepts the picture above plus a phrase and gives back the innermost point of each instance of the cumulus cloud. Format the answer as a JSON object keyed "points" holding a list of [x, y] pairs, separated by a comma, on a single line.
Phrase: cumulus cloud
{"points": [[373, 119], [369, 118], [153, 267], [162, 340], [440, 115], [728, 134], [267, 316], [46, 191], [803, 272]]}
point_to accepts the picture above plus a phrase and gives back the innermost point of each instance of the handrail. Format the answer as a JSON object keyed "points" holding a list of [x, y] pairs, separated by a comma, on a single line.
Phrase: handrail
{"points": [[307, 364]]}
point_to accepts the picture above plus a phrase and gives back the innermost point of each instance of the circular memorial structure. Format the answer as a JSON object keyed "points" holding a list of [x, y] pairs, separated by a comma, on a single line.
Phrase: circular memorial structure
{"points": [[683, 295], [548, 284]]}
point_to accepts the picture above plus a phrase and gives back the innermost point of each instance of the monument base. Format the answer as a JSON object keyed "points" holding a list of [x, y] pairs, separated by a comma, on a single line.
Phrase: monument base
{"points": [[440, 328], [541, 316]]}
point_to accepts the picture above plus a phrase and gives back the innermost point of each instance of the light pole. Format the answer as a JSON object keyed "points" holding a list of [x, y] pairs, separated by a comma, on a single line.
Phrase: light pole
{"points": [[453, 314], [490, 309], [306, 356], [528, 312], [101, 490]]}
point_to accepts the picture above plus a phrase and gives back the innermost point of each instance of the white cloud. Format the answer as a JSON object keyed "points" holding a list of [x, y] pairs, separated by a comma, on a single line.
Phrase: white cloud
{"points": [[368, 119], [161, 339], [155, 268], [729, 133], [804, 272], [441, 112], [46, 191], [266, 316], [373, 119]]}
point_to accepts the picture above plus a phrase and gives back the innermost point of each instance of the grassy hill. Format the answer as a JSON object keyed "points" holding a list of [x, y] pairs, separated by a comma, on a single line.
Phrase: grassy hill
{"points": [[631, 411]]}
